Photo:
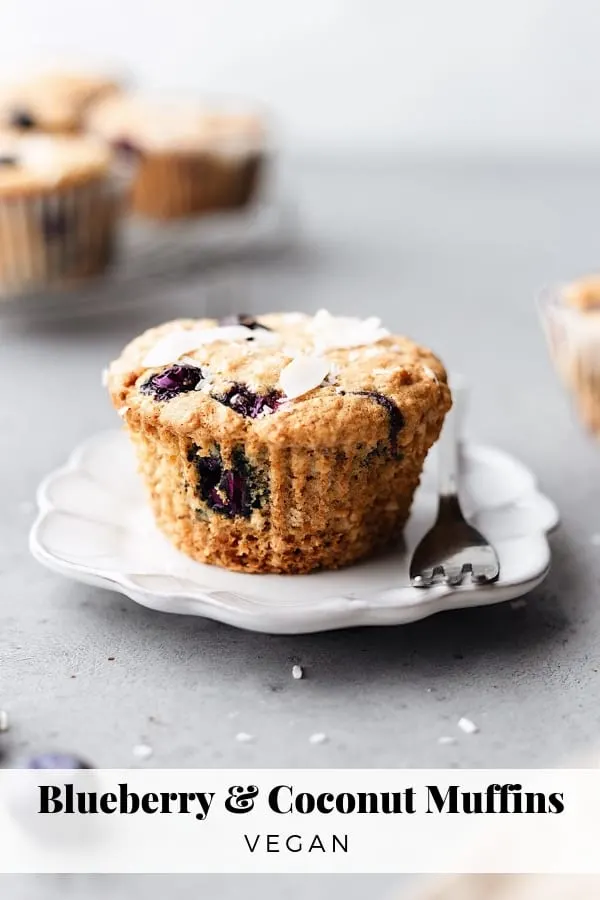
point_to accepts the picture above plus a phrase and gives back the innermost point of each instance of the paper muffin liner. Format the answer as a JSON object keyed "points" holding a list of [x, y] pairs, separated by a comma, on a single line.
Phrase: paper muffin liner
{"points": [[173, 185], [264, 508], [54, 237], [574, 342]]}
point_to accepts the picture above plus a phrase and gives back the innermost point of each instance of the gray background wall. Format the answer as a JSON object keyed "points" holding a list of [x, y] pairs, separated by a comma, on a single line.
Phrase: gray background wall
{"points": [[510, 76]]}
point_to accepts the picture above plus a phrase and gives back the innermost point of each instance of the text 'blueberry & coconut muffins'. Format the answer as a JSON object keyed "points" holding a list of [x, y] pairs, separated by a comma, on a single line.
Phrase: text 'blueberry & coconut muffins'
{"points": [[283, 443], [572, 320], [189, 160], [58, 210]]}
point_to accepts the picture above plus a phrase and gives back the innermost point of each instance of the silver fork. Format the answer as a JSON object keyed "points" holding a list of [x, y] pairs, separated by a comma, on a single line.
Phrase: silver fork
{"points": [[452, 550]]}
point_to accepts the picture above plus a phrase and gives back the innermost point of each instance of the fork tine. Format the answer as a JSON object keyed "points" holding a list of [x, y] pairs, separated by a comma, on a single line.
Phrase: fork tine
{"points": [[452, 551], [484, 574], [454, 576]]}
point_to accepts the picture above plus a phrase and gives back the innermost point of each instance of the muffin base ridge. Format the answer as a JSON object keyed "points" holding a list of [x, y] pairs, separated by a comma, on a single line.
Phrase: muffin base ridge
{"points": [[173, 186], [56, 237], [281, 509]]}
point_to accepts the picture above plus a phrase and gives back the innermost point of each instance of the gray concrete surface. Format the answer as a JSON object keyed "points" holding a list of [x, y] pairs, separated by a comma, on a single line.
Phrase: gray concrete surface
{"points": [[451, 253]]}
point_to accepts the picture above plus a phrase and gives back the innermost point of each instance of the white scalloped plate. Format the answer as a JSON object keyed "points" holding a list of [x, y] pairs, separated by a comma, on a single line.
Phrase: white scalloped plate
{"points": [[94, 525]]}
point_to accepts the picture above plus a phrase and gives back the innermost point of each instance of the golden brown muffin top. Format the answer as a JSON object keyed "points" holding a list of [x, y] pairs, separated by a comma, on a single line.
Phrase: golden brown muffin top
{"points": [[281, 378], [53, 102], [36, 162], [152, 126], [583, 294]]}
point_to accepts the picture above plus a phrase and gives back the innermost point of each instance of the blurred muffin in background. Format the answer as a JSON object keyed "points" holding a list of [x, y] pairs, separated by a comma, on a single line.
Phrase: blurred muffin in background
{"points": [[511, 887], [59, 207], [55, 102], [571, 317], [190, 160]]}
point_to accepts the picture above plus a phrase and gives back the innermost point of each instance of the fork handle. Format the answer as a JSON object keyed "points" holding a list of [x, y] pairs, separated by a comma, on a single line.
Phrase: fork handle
{"points": [[449, 446]]}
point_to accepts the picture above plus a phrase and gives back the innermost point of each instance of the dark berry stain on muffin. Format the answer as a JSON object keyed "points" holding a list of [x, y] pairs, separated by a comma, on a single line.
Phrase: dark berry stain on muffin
{"points": [[55, 223], [229, 492], [171, 382], [8, 160], [242, 400], [396, 419], [126, 149], [242, 319], [22, 118]]}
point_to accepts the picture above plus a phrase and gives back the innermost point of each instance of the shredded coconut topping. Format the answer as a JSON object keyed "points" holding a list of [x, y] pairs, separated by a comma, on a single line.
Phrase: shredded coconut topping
{"points": [[293, 318], [430, 373], [303, 374], [176, 344], [339, 332]]}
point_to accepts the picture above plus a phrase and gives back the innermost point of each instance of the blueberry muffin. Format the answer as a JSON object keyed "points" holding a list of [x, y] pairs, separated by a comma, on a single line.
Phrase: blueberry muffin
{"points": [[572, 320], [285, 443], [189, 160], [58, 210], [55, 102]]}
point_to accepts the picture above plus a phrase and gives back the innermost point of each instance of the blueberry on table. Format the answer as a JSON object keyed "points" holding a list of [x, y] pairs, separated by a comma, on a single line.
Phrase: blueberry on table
{"points": [[171, 382], [56, 761], [22, 119]]}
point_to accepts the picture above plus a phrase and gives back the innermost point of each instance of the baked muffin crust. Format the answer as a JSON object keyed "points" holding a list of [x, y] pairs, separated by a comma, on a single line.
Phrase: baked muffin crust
{"points": [[37, 162], [282, 443]]}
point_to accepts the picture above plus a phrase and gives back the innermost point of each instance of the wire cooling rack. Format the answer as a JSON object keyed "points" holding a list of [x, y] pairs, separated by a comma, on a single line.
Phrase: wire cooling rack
{"points": [[154, 254]]}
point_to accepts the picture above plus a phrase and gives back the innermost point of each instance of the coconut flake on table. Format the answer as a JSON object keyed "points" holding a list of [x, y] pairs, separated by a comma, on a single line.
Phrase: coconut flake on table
{"points": [[303, 374], [142, 751], [467, 726], [340, 332], [176, 344]]}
